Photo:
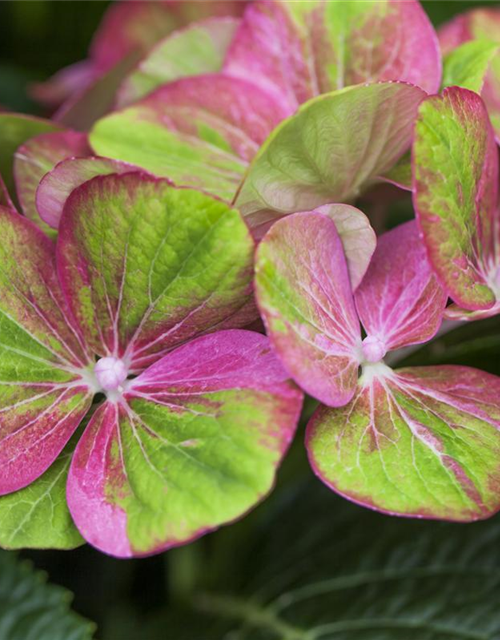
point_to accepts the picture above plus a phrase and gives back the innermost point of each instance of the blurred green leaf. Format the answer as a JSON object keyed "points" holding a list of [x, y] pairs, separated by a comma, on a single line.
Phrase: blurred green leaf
{"points": [[30, 609], [356, 575]]}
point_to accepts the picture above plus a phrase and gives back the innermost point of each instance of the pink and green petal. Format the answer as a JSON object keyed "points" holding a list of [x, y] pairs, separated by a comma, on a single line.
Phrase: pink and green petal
{"points": [[200, 132], [333, 149], [400, 301], [146, 265], [36, 157], [15, 130], [42, 396], [300, 49], [419, 442], [56, 186], [199, 48], [455, 190], [194, 444], [305, 299]]}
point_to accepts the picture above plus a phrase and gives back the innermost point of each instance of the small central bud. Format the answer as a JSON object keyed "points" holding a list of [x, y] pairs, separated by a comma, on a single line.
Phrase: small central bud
{"points": [[373, 349], [110, 373]]}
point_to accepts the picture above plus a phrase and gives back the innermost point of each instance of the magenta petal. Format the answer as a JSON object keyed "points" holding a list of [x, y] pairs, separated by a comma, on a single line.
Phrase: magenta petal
{"points": [[193, 444], [305, 299], [56, 185], [400, 301]]}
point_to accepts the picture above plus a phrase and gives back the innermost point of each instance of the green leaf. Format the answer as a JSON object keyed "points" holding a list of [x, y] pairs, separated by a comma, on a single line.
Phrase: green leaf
{"points": [[467, 65], [30, 609], [350, 574]]}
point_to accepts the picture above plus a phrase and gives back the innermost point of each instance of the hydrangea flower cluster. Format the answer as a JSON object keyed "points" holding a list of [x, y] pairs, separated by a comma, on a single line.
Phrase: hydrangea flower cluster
{"points": [[200, 173]]}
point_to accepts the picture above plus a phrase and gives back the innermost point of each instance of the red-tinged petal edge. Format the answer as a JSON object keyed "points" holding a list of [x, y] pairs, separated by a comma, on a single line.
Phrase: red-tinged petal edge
{"points": [[419, 442]]}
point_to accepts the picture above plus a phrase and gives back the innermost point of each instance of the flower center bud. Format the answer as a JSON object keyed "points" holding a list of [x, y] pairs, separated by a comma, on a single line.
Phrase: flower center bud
{"points": [[373, 349], [110, 373]]}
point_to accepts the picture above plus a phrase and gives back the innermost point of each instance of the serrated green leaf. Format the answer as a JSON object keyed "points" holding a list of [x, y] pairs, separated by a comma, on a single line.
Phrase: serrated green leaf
{"points": [[30, 609], [356, 575]]}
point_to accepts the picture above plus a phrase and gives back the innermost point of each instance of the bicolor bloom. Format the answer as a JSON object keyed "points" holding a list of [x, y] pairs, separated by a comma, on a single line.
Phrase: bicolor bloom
{"points": [[183, 430], [420, 441]]}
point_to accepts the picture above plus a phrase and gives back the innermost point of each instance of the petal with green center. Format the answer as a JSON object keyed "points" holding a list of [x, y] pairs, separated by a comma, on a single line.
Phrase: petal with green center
{"points": [[420, 442], [301, 48], [400, 301], [42, 395], [194, 444], [36, 157], [305, 299], [201, 132], [197, 49], [334, 148], [455, 191], [146, 265]]}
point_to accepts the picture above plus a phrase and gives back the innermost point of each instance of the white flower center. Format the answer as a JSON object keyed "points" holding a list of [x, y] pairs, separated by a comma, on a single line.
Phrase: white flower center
{"points": [[373, 349], [110, 373]]}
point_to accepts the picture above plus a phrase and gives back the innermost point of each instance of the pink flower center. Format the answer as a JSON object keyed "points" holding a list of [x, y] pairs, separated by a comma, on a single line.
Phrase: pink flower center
{"points": [[373, 349], [110, 373]]}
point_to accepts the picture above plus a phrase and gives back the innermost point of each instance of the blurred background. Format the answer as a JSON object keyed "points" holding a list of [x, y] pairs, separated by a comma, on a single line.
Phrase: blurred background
{"points": [[38, 37], [129, 599]]}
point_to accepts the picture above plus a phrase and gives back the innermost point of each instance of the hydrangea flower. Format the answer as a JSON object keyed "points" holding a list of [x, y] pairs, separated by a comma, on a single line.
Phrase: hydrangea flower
{"points": [[185, 430], [420, 441]]}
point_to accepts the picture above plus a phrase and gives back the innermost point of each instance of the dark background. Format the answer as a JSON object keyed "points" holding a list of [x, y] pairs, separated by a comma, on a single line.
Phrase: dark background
{"points": [[36, 39]]}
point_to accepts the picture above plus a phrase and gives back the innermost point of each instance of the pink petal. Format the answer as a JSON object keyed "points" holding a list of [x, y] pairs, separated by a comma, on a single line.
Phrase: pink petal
{"points": [[400, 301]]}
